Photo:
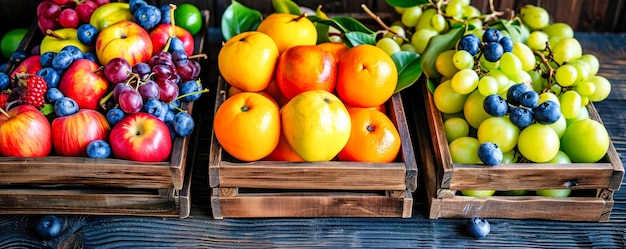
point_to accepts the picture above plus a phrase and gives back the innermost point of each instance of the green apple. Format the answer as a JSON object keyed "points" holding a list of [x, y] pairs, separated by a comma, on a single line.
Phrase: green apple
{"points": [[58, 39], [11, 40], [477, 193]]}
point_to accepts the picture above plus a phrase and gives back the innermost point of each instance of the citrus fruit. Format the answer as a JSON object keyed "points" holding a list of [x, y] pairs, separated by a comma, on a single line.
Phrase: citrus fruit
{"points": [[247, 61], [188, 16], [335, 48], [289, 30], [283, 152], [274, 91], [366, 76], [373, 137], [247, 125], [316, 124], [305, 67]]}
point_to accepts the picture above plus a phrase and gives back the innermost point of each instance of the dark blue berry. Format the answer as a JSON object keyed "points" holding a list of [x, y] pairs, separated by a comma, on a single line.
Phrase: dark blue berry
{"points": [[493, 51], [495, 105], [490, 153], [547, 112], [521, 117], [514, 93]]}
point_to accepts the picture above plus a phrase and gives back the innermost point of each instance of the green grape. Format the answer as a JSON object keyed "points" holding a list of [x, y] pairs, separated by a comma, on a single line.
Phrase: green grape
{"points": [[438, 23], [455, 128], [446, 116], [408, 47], [477, 192], [510, 64], [411, 15], [521, 77], [502, 79], [537, 40], [478, 26], [566, 75], [585, 88], [539, 82], [554, 193], [583, 68], [594, 64], [420, 39], [388, 45], [534, 17], [463, 60], [477, 31], [454, 8], [487, 65], [585, 141], [559, 29], [543, 97], [510, 157], [560, 158], [584, 100], [538, 143], [525, 55], [473, 110], [499, 130], [447, 100], [464, 150], [464, 81], [398, 33], [399, 10], [602, 88], [559, 126], [488, 85], [516, 192], [444, 64], [470, 12], [424, 21], [463, 2], [567, 49], [570, 104], [582, 115]]}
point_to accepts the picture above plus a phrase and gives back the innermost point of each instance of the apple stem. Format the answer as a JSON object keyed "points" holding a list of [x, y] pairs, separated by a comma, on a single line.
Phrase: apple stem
{"points": [[196, 56], [51, 32], [4, 113], [173, 31]]}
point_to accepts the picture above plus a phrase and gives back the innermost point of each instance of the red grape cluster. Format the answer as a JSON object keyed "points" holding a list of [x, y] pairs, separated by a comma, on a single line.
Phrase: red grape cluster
{"points": [[56, 14]]}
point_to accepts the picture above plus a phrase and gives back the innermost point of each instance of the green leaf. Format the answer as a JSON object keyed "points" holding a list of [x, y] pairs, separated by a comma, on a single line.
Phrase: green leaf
{"points": [[322, 32], [328, 22], [238, 18], [357, 38], [431, 85], [47, 109], [409, 67], [351, 24], [406, 3], [437, 45], [286, 6]]}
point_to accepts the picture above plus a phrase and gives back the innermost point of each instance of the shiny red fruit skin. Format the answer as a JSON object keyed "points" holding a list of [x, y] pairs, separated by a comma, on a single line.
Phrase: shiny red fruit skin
{"points": [[161, 33], [71, 134], [141, 137], [27, 133]]}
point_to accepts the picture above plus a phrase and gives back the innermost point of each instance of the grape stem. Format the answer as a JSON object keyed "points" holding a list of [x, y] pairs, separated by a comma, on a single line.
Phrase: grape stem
{"points": [[546, 62], [381, 23]]}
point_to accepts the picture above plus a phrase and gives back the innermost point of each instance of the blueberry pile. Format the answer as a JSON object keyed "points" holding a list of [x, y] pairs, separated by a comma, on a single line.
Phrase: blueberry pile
{"points": [[522, 105], [493, 45]]}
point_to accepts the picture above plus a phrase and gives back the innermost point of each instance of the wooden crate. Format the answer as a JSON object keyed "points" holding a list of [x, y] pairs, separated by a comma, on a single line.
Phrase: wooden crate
{"points": [[325, 189], [82, 185], [592, 184]]}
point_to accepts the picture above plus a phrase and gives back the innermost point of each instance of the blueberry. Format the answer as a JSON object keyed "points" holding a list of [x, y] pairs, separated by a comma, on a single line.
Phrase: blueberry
{"points": [[165, 14], [174, 104], [53, 94], [490, 153], [98, 149], [65, 106], [3, 66], [136, 4], [191, 89], [478, 227], [90, 56], [547, 112], [49, 226], [492, 35], [514, 93], [114, 115], [469, 43], [147, 16], [63, 60], [529, 99], [50, 75], [87, 34], [507, 44], [155, 107], [183, 124], [493, 51], [495, 105], [176, 45], [4, 80], [46, 59], [169, 116], [19, 56], [521, 117], [77, 54]]}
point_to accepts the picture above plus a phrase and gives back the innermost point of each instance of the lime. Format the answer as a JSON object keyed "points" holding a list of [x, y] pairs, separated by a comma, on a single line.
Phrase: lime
{"points": [[11, 40], [188, 16]]}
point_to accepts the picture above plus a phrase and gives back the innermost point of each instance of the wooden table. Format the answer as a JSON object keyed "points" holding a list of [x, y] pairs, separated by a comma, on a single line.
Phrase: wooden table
{"points": [[200, 230]]}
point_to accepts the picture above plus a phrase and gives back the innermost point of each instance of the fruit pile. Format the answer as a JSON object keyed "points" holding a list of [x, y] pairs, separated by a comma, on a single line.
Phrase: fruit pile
{"points": [[109, 79], [295, 98], [512, 87]]}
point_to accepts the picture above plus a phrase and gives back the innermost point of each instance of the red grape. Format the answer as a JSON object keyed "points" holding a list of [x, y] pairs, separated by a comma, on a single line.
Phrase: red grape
{"points": [[118, 89], [117, 70], [168, 91], [84, 10], [68, 18], [149, 89], [130, 101]]}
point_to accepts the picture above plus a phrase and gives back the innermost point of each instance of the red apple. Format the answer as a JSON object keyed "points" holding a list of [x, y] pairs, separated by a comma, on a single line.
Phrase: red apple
{"points": [[141, 137], [71, 134], [161, 33], [30, 65], [85, 83], [24, 132], [124, 39]]}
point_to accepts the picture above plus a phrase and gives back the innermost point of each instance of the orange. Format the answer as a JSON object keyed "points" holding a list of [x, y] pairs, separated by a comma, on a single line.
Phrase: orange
{"points": [[316, 125], [248, 61], [232, 91], [273, 90], [247, 125], [304, 68], [335, 48], [366, 76], [381, 108], [288, 30], [373, 138], [283, 152]]}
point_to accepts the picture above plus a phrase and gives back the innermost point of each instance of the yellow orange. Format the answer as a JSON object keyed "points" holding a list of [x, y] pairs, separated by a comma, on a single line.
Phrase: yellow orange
{"points": [[288, 30], [373, 138]]}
